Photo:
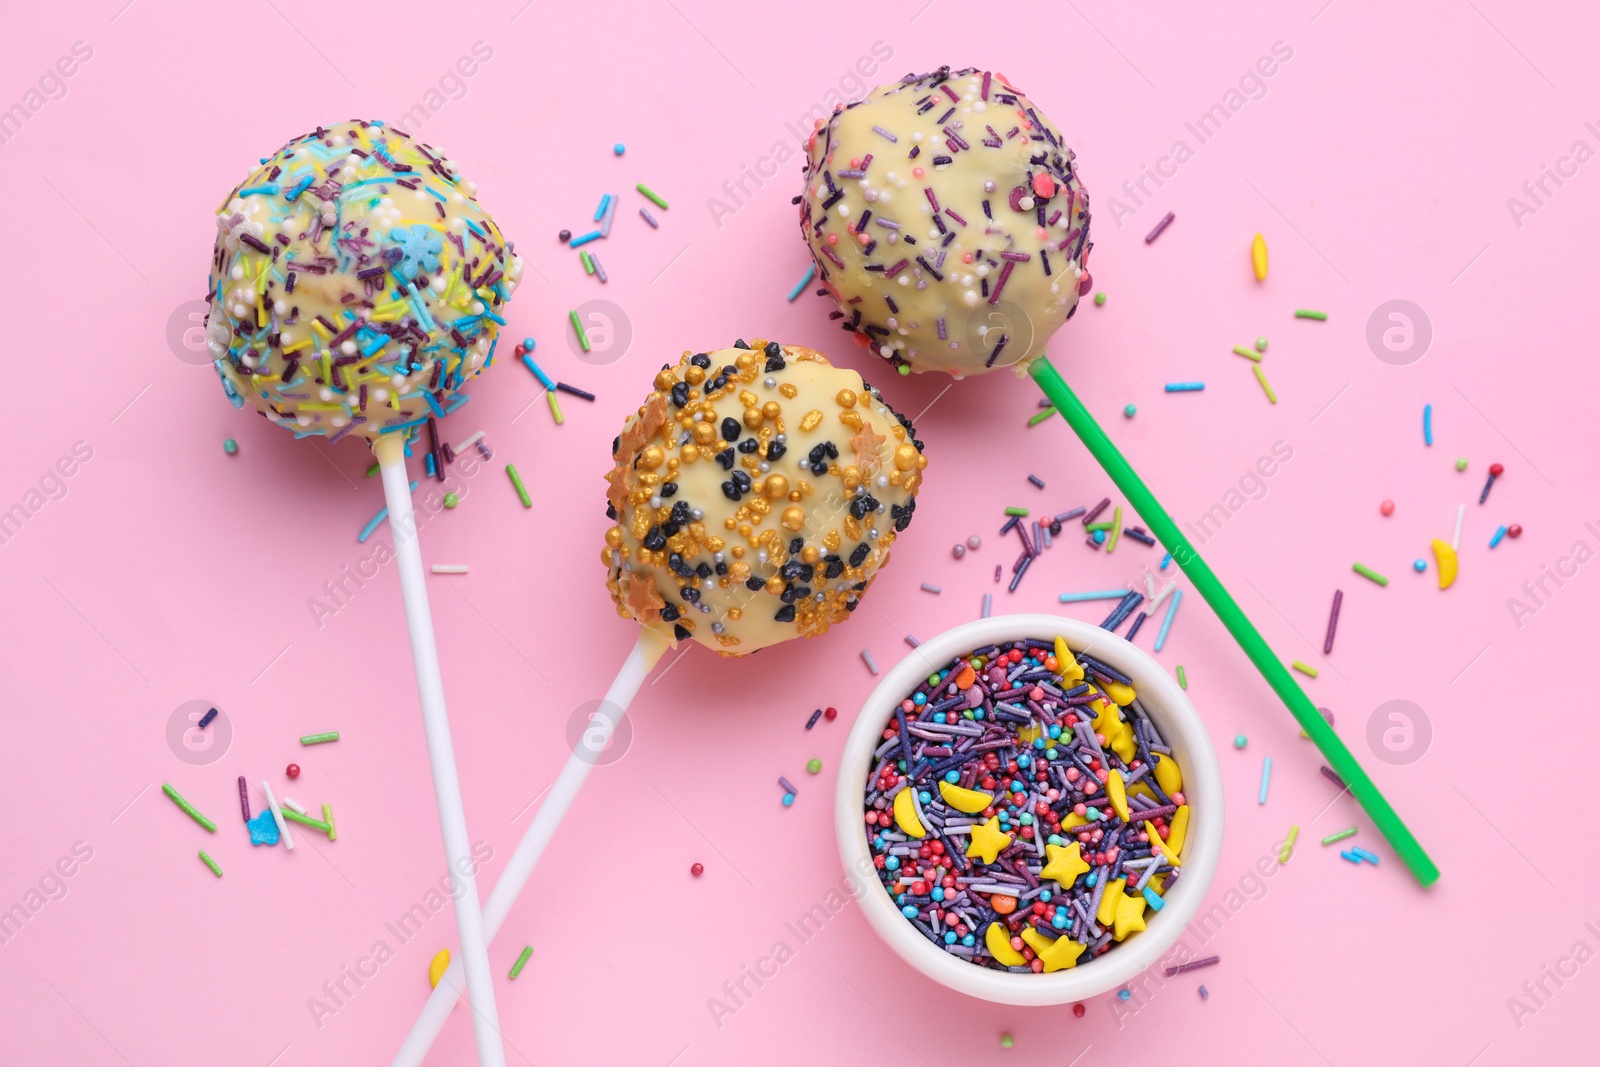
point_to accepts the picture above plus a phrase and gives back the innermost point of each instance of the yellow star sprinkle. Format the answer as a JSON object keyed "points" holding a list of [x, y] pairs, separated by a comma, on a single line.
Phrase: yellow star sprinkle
{"points": [[1056, 955], [1066, 863], [988, 840], [1130, 916]]}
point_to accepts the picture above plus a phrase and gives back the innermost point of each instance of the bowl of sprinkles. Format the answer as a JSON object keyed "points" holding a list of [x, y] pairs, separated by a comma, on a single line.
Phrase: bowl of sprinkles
{"points": [[1039, 804]]}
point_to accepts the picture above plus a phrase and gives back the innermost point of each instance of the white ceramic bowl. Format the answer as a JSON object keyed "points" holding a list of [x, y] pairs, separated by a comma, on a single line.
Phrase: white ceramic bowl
{"points": [[1179, 724]]}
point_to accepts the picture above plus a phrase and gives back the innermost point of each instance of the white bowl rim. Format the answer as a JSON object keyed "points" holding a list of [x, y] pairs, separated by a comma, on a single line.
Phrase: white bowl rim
{"points": [[1180, 725]]}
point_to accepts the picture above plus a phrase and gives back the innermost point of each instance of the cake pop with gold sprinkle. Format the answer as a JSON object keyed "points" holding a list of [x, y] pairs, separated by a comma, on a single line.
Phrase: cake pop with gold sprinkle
{"points": [[756, 493]]}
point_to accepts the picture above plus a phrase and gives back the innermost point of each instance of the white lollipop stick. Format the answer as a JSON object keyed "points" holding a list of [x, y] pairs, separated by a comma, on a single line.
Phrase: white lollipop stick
{"points": [[441, 754], [646, 651]]}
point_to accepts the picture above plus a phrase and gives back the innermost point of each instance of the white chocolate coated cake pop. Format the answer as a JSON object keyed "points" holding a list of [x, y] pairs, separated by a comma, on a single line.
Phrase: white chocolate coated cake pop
{"points": [[756, 494], [356, 284], [946, 219]]}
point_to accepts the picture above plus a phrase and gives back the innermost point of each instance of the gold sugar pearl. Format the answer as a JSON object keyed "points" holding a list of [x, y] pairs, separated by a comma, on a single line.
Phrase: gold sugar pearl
{"points": [[666, 380], [777, 486], [691, 452], [745, 360], [846, 398], [738, 551], [793, 518], [653, 457], [614, 537], [771, 409], [774, 585], [704, 432], [753, 418], [730, 524], [905, 457], [694, 375], [810, 554]]}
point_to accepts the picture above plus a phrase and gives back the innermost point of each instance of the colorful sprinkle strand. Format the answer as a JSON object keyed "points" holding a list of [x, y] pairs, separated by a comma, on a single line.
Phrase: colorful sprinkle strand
{"points": [[320, 739], [188, 808], [527, 953], [1368, 573], [1006, 831], [1166, 220]]}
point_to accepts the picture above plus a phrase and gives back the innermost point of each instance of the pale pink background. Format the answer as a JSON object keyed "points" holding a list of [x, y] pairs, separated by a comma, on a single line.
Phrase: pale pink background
{"points": [[1377, 165]]}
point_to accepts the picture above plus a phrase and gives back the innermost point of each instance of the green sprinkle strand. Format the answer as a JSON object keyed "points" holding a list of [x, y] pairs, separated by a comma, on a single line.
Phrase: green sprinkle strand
{"points": [[305, 820], [522, 960], [1306, 313], [652, 196], [209, 862], [188, 808], [1183, 679], [1045, 414], [1304, 668], [1340, 836], [320, 739], [1368, 573], [577, 328], [1020, 513], [516, 482]]}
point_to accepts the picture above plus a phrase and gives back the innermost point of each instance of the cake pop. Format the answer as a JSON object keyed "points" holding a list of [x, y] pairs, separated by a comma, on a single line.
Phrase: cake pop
{"points": [[756, 493], [947, 220], [355, 285], [672, 580]]}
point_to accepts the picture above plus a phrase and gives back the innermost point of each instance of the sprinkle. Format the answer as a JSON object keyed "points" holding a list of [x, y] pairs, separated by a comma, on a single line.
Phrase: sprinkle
{"points": [[555, 408], [1104, 594], [1130, 411], [787, 786], [928, 587], [1185, 387], [451, 500], [1100, 299], [572, 390], [1266, 386], [912, 641], [644, 213], [372, 470], [449, 568], [872, 664], [1368, 573], [1304, 668], [577, 328], [588, 262], [244, 798], [377, 520], [1461, 463], [209, 862], [1247, 353], [1361, 853], [1266, 779], [800, 287], [303, 819], [1499, 535], [1204, 995], [879, 130], [1116, 529], [988, 605], [1258, 257], [1427, 424], [618, 148], [1495, 470], [1306, 313], [1352, 857], [1163, 224], [1327, 772], [815, 715], [527, 950], [1193, 965], [290, 803], [600, 212], [327, 817], [516, 482], [1340, 836], [277, 816], [1166, 621], [599, 271], [1461, 515], [212, 714], [1333, 622], [1288, 844], [1261, 344], [1098, 508], [230, 446], [188, 808], [1034, 478], [1240, 740], [1041, 416], [1006, 1040], [813, 766], [320, 739], [1183, 679], [578, 242], [653, 197], [1020, 513]]}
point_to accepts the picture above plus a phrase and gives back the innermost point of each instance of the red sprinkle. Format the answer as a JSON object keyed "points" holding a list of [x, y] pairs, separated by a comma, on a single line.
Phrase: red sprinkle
{"points": [[698, 869], [1514, 530], [1044, 185], [293, 770], [833, 713]]}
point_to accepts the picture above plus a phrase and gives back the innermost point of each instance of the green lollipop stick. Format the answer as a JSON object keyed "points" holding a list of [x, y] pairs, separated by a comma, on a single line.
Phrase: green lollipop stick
{"points": [[1128, 482]]}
